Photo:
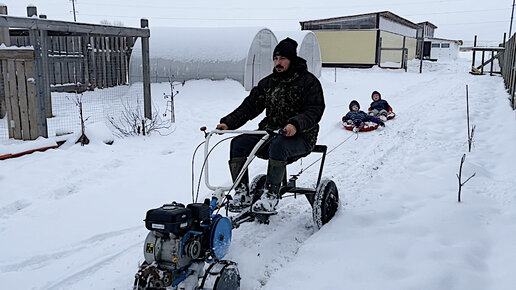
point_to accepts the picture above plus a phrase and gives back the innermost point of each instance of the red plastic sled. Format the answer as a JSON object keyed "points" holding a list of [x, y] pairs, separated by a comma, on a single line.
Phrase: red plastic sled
{"points": [[369, 126]]}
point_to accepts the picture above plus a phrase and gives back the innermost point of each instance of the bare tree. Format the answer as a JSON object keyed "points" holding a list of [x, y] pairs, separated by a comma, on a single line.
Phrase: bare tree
{"points": [[83, 139], [132, 122], [472, 131], [459, 176], [170, 100]]}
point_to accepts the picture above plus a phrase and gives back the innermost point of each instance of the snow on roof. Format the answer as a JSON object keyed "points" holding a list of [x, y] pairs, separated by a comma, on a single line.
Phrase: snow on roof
{"points": [[201, 43]]}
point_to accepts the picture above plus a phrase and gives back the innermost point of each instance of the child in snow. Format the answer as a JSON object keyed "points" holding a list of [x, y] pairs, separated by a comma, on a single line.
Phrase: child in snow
{"points": [[379, 107], [357, 117]]}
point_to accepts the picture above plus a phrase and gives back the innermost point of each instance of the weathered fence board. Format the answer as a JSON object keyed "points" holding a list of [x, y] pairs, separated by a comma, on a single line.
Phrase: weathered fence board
{"points": [[507, 60], [15, 121]]}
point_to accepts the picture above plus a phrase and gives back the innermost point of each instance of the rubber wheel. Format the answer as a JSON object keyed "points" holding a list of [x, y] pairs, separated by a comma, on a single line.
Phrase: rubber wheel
{"points": [[326, 203], [257, 186], [221, 275]]}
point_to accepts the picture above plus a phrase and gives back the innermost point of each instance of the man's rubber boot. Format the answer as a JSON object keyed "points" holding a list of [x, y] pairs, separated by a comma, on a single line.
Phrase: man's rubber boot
{"points": [[241, 198], [270, 197]]}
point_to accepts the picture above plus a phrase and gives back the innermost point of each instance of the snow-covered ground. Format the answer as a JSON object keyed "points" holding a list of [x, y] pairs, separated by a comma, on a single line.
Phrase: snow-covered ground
{"points": [[71, 218]]}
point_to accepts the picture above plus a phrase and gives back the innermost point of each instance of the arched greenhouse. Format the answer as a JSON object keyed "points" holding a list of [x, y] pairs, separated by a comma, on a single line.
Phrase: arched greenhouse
{"points": [[307, 48], [242, 54]]}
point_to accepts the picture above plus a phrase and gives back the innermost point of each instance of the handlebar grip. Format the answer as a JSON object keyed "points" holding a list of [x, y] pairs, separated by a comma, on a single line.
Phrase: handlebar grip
{"points": [[281, 131]]}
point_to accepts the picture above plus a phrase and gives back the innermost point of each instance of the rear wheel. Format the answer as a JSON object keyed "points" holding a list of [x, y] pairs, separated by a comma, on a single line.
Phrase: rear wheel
{"points": [[326, 202]]}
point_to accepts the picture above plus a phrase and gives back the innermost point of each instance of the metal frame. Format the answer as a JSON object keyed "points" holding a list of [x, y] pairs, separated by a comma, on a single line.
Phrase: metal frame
{"points": [[287, 186]]}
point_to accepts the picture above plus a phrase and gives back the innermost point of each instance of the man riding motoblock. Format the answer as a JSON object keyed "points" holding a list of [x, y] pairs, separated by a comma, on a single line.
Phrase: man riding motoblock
{"points": [[293, 101]]}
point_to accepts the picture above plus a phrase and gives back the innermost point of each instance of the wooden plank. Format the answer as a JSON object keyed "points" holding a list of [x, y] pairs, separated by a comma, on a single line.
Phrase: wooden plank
{"points": [[15, 122], [147, 105], [123, 61], [85, 59], [116, 61], [103, 66], [483, 56], [22, 99], [51, 61], [44, 42], [63, 61], [35, 39], [109, 65], [70, 63], [92, 63], [8, 107], [71, 27], [16, 54], [474, 52], [3, 110], [4, 39], [98, 57], [31, 99], [475, 71]]}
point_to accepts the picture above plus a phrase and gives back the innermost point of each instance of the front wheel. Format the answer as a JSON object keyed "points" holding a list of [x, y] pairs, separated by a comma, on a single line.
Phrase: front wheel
{"points": [[326, 202]]}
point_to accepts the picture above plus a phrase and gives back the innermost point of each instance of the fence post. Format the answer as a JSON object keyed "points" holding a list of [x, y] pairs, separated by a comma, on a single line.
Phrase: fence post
{"points": [[146, 72], [35, 39], [4, 39], [474, 52]]}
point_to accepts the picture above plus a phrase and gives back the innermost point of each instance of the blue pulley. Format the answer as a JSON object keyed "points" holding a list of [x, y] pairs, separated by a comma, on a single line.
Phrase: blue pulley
{"points": [[220, 236]]}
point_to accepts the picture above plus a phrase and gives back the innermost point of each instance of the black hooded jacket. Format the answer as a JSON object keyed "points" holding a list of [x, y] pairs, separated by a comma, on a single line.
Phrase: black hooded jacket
{"points": [[291, 97]]}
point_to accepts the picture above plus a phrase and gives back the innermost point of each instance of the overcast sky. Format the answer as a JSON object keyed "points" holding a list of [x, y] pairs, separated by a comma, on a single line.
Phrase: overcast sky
{"points": [[455, 19]]}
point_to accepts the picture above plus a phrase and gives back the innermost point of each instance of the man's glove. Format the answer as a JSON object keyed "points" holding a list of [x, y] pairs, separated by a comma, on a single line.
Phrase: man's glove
{"points": [[381, 124]]}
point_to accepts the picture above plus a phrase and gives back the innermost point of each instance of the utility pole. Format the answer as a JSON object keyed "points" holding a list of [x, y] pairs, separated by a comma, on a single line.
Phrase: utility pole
{"points": [[422, 47], [74, 12], [512, 15]]}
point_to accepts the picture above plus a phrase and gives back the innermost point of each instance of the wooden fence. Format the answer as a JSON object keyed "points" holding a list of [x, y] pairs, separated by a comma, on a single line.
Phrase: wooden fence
{"points": [[89, 61], [74, 57], [507, 60]]}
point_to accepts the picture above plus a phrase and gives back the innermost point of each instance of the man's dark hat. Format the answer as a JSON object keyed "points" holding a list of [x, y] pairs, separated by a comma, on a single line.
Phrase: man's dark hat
{"points": [[354, 103], [376, 92], [286, 48]]}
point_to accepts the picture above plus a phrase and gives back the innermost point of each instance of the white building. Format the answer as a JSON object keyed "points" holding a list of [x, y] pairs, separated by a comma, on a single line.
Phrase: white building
{"points": [[437, 48]]}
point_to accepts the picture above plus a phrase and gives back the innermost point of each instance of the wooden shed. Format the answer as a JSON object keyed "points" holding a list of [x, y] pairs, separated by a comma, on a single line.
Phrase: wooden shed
{"points": [[365, 40]]}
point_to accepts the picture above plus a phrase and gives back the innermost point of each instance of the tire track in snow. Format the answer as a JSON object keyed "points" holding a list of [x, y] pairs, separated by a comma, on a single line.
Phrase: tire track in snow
{"points": [[90, 268], [78, 249]]}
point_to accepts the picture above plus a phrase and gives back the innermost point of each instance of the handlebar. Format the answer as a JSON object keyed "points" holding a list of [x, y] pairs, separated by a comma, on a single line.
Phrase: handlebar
{"points": [[268, 131]]}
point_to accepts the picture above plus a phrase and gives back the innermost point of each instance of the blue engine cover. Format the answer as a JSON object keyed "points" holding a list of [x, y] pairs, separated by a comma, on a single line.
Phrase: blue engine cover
{"points": [[220, 238]]}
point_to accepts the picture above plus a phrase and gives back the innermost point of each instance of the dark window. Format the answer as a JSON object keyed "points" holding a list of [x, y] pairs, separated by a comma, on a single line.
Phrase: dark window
{"points": [[445, 45], [436, 45], [346, 24]]}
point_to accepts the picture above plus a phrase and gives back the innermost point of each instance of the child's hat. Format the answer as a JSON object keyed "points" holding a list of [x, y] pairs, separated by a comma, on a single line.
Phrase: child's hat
{"points": [[376, 92], [354, 103]]}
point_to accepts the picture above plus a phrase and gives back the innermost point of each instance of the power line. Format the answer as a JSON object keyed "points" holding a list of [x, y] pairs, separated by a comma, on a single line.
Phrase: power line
{"points": [[225, 8], [262, 19]]}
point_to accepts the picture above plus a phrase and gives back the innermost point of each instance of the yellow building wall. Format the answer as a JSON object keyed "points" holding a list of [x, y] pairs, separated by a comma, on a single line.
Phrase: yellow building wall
{"points": [[391, 40], [347, 47]]}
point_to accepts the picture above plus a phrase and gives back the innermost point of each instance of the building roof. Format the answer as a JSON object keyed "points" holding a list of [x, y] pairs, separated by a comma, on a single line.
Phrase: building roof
{"points": [[457, 41], [427, 24], [386, 14]]}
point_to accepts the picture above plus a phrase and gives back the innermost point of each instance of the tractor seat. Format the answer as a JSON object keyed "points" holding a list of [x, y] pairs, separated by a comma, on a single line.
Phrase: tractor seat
{"points": [[317, 148]]}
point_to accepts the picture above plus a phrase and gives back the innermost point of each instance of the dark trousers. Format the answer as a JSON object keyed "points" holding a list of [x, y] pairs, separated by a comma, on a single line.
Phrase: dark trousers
{"points": [[279, 148]]}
